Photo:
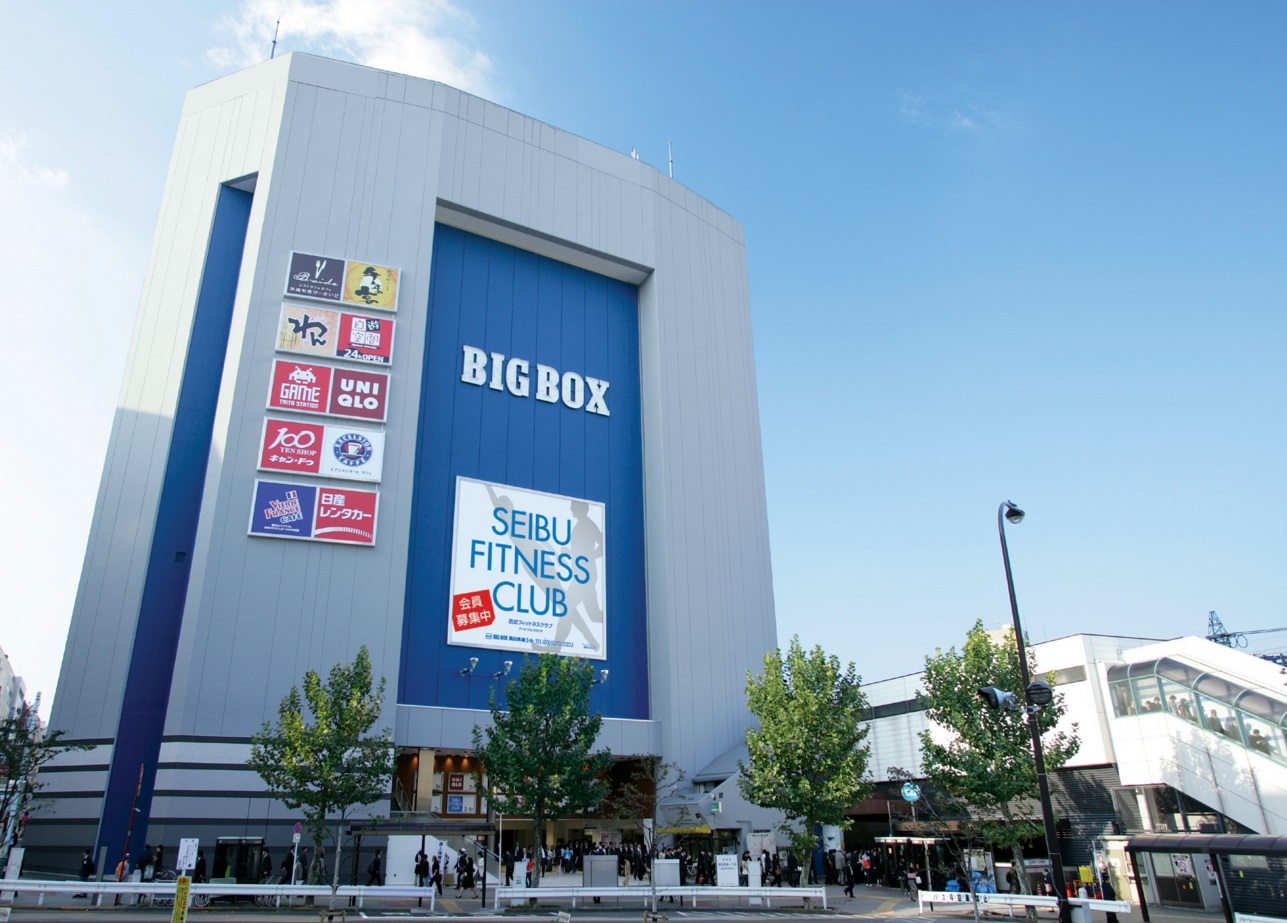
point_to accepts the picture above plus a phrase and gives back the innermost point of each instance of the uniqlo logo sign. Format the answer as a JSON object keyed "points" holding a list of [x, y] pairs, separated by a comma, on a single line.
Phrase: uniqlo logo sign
{"points": [[359, 394]]}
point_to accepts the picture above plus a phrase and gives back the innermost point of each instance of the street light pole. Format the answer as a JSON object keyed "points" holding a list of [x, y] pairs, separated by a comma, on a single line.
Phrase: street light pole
{"points": [[1008, 511]]}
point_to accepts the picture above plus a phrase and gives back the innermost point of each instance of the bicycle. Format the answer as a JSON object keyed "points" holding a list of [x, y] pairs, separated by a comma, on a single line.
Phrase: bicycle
{"points": [[270, 900]]}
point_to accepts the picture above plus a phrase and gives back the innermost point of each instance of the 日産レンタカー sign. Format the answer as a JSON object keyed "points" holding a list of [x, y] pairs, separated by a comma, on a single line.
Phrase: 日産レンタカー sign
{"points": [[326, 450], [355, 282], [335, 334], [309, 512], [306, 387]]}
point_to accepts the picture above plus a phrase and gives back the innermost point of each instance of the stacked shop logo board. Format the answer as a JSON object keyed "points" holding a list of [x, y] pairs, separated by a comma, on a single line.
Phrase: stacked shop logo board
{"points": [[304, 382]]}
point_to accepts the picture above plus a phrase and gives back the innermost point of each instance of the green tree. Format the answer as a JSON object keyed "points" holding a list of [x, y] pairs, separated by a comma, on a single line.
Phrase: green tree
{"points": [[25, 746], [808, 756], [986, 764], [332, 764], [536, 754]]}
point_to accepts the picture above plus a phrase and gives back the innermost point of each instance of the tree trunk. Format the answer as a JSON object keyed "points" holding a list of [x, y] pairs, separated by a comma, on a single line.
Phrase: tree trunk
{"points": [[1020, 868], [974, 895], [335, 876], [651, 858], [538, 848]]}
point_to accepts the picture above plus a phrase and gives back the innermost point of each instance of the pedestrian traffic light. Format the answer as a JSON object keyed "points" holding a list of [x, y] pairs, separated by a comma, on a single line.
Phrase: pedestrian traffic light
{"points": [[998, 698]]}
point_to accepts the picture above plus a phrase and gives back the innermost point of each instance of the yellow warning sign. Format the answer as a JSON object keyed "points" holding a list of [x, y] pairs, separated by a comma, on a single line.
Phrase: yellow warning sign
{"points": [[181, 900]]}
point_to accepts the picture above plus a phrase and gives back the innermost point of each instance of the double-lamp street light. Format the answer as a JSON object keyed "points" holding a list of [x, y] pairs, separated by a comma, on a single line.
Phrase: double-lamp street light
{"points": [[1038, 695]]}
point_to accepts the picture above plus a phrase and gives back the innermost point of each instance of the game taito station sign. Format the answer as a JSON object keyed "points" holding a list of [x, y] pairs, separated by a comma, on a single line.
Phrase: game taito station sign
{"points": [[527, 571]]}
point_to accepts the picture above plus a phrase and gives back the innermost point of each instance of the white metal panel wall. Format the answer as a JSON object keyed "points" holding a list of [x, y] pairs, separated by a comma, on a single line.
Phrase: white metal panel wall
{"points": [[354, 162], [96, 658]]}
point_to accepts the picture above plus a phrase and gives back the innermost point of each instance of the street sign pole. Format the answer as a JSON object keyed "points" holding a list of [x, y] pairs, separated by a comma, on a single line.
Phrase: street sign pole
{"points": [[294, 863]]}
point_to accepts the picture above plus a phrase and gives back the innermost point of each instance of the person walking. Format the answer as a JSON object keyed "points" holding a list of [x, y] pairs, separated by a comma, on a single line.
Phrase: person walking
{"points": [[1110, 894], [848, 860], [373, 871], [122, 872], [466, 876], [87, 870], [265, 866]]}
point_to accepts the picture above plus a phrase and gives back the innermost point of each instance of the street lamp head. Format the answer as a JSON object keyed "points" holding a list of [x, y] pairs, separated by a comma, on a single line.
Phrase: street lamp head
{"points": [[1039, 693], [1013, 514]]}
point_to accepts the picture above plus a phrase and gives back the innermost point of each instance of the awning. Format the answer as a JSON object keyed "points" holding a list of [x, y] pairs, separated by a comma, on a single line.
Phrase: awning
{"points": [[702, 829], [1223, 844], [911, 840]]}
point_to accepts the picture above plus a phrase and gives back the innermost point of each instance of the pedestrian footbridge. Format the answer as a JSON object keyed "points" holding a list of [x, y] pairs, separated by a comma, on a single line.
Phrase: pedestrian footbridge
{"points": [[1209, 722]]}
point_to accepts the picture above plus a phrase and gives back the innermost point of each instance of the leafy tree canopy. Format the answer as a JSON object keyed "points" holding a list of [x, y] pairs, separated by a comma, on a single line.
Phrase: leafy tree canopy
{"points": [[985, 762], [808, 756], [537, 754], [332, 763]]}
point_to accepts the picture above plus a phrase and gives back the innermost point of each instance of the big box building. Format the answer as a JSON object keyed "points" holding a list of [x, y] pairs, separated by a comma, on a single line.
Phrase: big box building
{"points": [[415, 372]]}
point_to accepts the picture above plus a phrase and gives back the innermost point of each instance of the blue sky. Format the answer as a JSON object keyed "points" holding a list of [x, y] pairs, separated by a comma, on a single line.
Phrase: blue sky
{"points": [[996, 251]]}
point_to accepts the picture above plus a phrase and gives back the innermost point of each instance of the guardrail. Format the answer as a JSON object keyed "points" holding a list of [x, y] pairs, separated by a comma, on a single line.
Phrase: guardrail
{"points": [[691, 892], [1256, 918], [164, 890], [1050, 902]]}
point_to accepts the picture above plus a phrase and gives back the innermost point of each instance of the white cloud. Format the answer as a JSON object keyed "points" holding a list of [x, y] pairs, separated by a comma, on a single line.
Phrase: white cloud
{"points": [[967, 116], [425, 38], [15, 173]]}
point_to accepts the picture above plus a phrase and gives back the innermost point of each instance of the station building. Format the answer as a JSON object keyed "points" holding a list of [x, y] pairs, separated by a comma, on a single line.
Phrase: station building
{"points": [[416, 372], [1179, 736]]}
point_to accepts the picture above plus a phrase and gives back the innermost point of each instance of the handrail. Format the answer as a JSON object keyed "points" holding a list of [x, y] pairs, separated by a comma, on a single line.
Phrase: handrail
{"points": [[1050, 902], [213, 889], [692, 892]]}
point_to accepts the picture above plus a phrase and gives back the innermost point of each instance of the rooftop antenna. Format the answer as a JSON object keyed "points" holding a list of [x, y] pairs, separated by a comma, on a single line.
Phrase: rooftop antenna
{"points": [[272, 54], [634, 154], [670, 153]]}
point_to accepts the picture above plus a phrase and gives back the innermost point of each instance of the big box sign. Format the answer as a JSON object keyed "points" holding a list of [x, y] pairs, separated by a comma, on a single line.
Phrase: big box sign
{"points": [[529, 391]]}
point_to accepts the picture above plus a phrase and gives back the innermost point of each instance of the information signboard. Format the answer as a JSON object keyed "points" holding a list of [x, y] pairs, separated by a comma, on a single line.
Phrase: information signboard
{"points": [[321, 449], [335, 335], [307, 387], [356, 282], [312, 513]]}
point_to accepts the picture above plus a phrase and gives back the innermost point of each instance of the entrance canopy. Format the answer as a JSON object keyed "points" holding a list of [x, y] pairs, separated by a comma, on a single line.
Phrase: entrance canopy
{"points": [[1212, 844], [1216, 844]]}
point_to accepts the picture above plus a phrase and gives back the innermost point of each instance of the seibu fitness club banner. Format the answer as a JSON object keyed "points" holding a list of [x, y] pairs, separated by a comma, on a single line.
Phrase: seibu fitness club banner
{"points": [[527, 571], [312, 513]]}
